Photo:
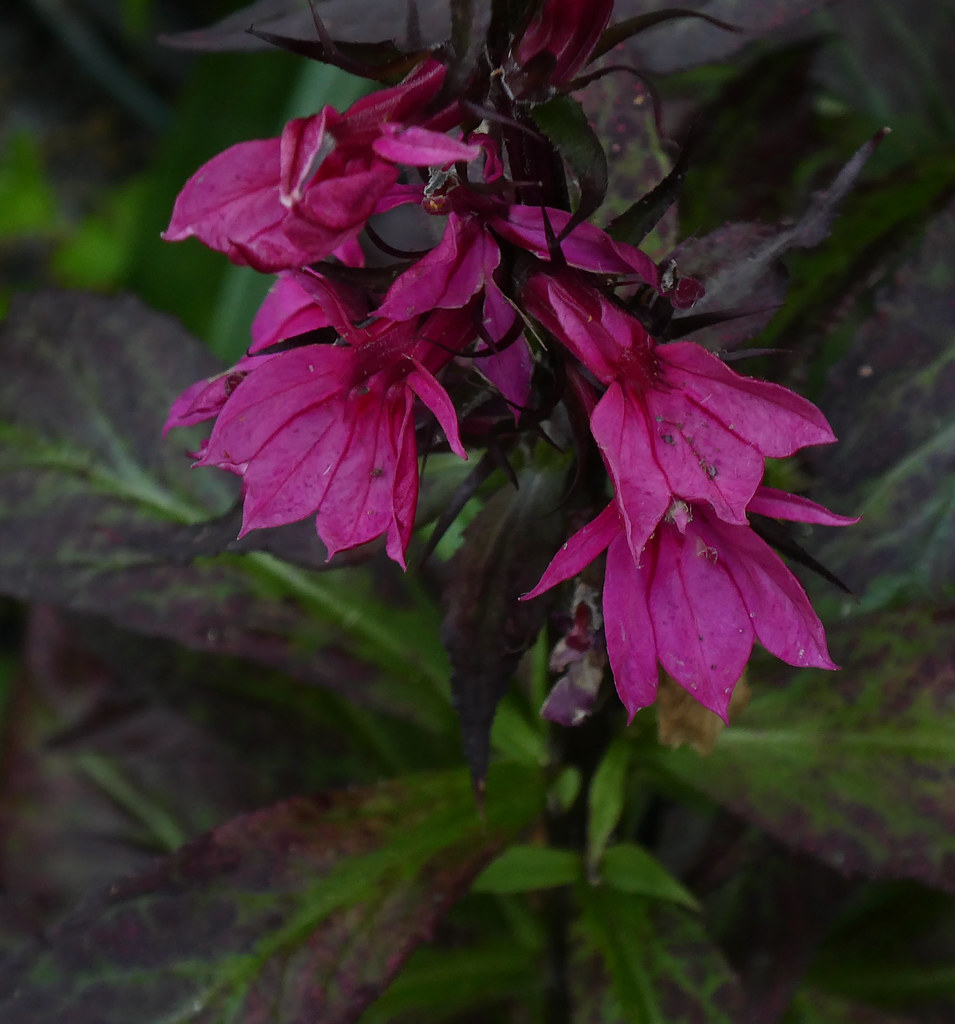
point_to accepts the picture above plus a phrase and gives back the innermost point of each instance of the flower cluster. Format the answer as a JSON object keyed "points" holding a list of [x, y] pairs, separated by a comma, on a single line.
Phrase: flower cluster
{"points": [[352, 369]]}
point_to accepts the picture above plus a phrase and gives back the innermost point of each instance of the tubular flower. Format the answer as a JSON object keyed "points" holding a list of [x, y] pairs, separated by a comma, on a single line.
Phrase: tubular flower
{"points": [[283, 203], [330, 431], [701, 592], [351, 367], [674, 421]]}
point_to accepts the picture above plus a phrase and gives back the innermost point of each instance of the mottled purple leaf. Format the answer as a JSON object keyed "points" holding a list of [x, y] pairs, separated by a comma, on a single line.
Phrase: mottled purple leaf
{"points": [[298, 913], [855, 768], [891, 399], [93, 503], [486, 629], [94, 771]]}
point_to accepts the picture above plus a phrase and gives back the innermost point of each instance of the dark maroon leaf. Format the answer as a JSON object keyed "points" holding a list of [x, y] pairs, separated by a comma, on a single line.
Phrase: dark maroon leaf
{"points": [[820, 1006], [892, 947], [740, 264], [687, 42], [93, 777], [621, 31], [410, 25], [781, 907], [486, 629], [298, 913], [93, 504]]}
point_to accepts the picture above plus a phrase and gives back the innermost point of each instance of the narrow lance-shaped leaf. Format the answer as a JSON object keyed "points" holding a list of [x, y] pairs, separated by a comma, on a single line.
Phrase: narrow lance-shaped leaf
{"points": [[486, 629], [296, 913], [739, 264]]}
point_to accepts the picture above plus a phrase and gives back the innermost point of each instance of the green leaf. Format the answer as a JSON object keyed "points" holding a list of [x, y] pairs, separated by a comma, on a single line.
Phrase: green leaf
{"points": [[565, 124], [606, 799], [630, 868], [853, 767], [439, 984], [527, 868], [303, 911], [639, 961], [516, 737]]}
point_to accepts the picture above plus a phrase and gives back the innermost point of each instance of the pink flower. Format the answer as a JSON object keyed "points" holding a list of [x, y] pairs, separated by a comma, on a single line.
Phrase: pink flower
{"points": [[459, 267], [330, 430], [285, 203], [696, 598], [674, 420]]}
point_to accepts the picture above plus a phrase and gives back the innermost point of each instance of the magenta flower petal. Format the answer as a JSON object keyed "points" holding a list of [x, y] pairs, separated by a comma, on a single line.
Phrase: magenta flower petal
{"points": [[631, 643], [301, 151], [350, 476], [231, 204], [449, 276], [205, 399], [578, 552], [288, 310], [266, 401], [339, 199], [767, 501], [419, 147], [777, 605], [424, 385], [361, 123], [509, 369], [703, 632], [620, 428], [702, 459], [342, 306], [399, 195], [773, 419], [599, 334]]}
